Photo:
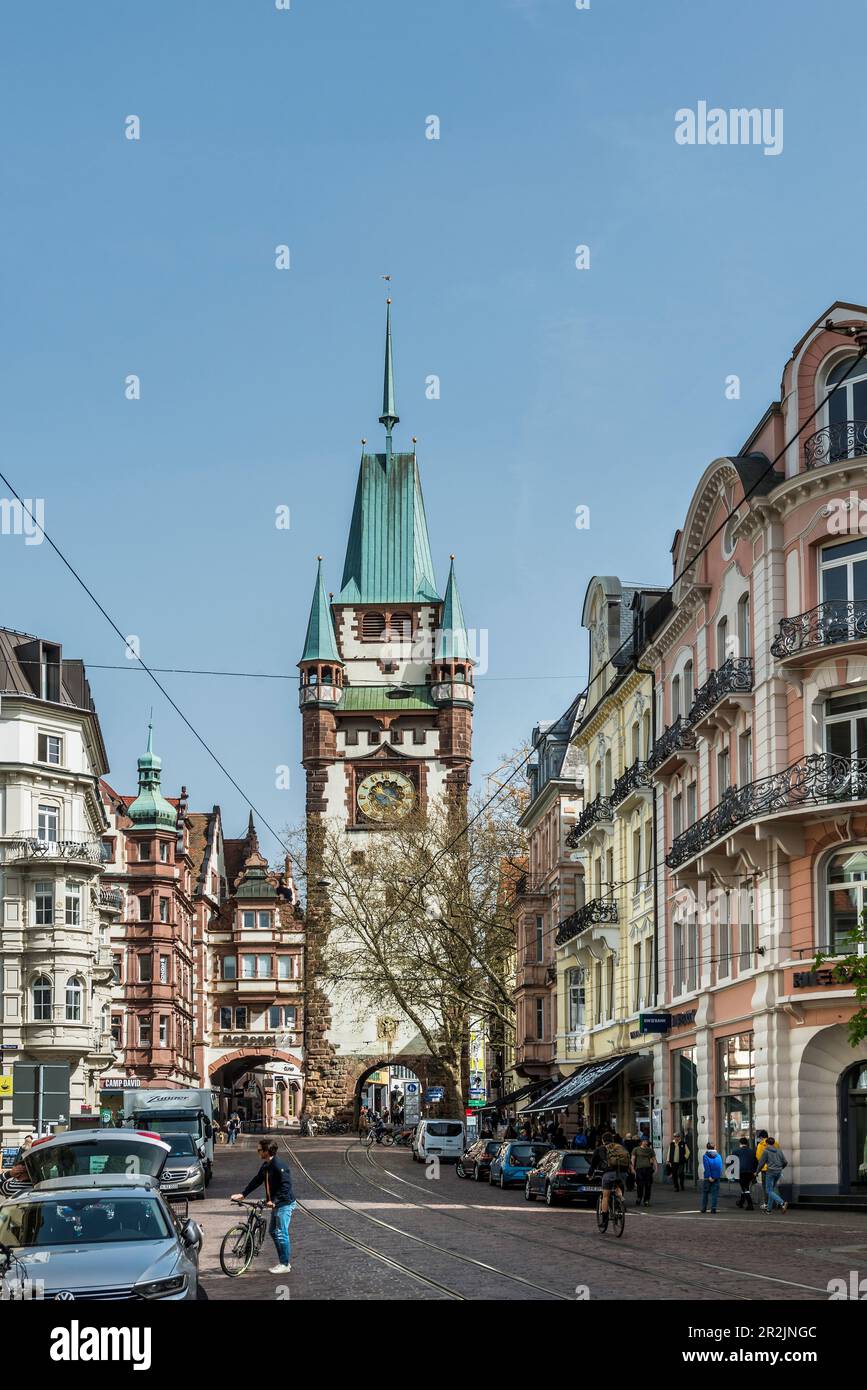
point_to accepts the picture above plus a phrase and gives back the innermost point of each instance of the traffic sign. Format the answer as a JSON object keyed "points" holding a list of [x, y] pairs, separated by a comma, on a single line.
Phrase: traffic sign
{"points": [[434, 1093]]}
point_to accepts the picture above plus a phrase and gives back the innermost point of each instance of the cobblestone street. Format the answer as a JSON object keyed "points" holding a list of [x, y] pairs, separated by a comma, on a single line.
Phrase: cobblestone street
{"points": [[404, 1237]]}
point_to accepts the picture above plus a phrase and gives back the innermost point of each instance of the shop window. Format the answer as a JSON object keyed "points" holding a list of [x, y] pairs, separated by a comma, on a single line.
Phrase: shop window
{"points": [[684, 1098], [736, 1090]]}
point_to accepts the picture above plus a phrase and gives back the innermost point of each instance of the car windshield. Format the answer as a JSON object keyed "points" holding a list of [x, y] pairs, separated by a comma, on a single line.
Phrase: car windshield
{"points": [[444, 1129], [71, 1220], [167, 1127], [576, 1163], [115, 1151], [182, 1145]]}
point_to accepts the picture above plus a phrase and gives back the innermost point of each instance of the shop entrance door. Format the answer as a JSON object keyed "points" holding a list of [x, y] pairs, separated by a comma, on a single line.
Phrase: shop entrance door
{"points": [[853, 1126]]}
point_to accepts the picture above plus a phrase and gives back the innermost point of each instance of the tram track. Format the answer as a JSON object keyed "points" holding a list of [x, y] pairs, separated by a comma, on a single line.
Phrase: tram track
{"points": [[408, 1235], [628, 1264]]}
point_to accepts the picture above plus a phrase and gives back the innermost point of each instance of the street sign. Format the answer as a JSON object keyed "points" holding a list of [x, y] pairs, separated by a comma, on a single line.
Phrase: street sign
{"points": [[434, 1093], [411, 1088], [410, 1104], [41, 1094], [654, 1023]]}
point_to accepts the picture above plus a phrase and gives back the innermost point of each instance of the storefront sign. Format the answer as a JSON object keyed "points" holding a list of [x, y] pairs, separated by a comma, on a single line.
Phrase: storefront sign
{"points": [[119, 1083], [249, 1039], [654, 1023], [6, 1086], [681, 1020], [808, 979]]}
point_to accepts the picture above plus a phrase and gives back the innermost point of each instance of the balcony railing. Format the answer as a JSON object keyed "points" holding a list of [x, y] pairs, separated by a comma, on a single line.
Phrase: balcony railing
{"points": [[818, 780], [735, 676], [824, 626], [633, 779], [111, 898], [32, 845], [677, 736], [597, 911], [836, 443], [599, 809]]}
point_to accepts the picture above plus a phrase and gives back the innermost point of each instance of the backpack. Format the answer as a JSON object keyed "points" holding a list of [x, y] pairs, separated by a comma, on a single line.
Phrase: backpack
{"points": [[616, 1157]]}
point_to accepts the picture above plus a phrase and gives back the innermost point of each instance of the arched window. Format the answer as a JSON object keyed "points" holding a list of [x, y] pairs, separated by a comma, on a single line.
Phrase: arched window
{"points": [[848, 405], [688, 687], [74, 997], [745, 647], [675, 698], [372, 627], [326, 675], [646, 735], [608, 781], [845, 891], [399, 626], [636, 741], [722, 634], [43, 998]]}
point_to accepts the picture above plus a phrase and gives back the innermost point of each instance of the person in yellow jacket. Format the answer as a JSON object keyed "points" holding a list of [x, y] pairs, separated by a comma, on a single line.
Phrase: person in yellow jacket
{"points": [[761, 1145]]}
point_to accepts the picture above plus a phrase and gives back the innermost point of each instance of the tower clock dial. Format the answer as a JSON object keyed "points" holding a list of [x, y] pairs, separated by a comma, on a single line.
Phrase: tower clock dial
{"points": [[386, 796]]}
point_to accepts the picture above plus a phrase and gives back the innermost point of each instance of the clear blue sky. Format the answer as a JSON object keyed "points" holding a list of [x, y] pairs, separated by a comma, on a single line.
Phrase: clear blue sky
{"points": [[602, 387]]}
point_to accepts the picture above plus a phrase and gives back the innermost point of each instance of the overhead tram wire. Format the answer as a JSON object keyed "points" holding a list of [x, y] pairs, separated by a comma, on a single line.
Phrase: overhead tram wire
{"points": [[113, 625], [567, 713]]}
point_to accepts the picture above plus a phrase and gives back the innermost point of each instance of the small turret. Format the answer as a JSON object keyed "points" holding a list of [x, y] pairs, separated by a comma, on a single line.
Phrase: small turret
{"points": [[150, 810], [452, 675], [321, 664]]}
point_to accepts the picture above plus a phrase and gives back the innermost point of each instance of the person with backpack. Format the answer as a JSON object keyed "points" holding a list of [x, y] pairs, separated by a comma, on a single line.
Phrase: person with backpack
{"points": [[644, 1166], [612, 1161], [712, 1170], [746, 1174], [773, 1161]]}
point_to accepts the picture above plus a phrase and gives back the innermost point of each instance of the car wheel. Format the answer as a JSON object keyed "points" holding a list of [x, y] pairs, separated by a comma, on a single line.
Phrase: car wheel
{"points": [[529, 1194], [459, 1170], [502, 1182], [550, 1199], [477, 1177]]}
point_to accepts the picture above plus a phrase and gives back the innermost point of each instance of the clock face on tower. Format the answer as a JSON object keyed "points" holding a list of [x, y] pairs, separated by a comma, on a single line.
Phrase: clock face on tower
{"points": [[386, 796]]}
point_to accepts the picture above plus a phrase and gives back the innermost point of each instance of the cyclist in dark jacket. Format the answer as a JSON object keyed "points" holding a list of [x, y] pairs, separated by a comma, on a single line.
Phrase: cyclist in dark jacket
{"points": [[277, 1179]]}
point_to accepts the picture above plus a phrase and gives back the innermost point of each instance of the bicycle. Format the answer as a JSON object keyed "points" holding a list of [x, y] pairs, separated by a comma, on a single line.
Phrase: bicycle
{"points": [[11, 1265], [382, 1136], [616, 1212], [242, 1243]]}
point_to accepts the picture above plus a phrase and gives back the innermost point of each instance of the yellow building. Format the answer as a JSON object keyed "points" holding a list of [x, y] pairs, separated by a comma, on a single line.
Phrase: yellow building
{"points": [[606, 950]]}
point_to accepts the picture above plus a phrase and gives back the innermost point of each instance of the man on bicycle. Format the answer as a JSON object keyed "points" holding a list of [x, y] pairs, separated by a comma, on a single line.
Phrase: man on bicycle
{"points": [[275, 1175], [612, 1161]]}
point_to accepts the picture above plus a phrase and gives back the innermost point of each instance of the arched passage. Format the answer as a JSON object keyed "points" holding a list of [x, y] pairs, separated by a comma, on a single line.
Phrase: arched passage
{"points": [[244, 1081]]}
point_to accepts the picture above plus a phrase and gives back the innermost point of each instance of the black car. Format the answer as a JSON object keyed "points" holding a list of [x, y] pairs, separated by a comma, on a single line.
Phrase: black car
{"points": [[475, 1162], [563, 1175]]}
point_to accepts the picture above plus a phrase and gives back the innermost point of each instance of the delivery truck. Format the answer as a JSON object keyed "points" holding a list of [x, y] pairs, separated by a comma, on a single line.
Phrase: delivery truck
{"points": [[188, 1111]]}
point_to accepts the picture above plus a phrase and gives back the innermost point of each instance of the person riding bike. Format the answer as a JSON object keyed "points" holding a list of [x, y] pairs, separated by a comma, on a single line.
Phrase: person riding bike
{"points": [[377, 1128], [611, 1159]]}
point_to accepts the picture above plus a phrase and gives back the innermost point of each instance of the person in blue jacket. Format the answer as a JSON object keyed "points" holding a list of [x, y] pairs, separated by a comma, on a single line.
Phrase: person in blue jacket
{"points": [[712, 1171]]}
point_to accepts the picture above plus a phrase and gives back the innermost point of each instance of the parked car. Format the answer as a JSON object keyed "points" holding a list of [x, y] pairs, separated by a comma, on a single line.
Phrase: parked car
{"points": [[184, 1174], [475, 1162], [513, 1161], [442, 1139], [107, 1236], [562, 1175]]}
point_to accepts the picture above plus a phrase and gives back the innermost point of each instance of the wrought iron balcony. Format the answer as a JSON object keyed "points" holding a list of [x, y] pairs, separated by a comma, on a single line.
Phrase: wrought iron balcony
{"points": [[818, 780], [633, 779], [111, 898], [598, 910], [599, 809], [32, 845], [734, 677], [677, 736], [836, 443], [824, 626]]}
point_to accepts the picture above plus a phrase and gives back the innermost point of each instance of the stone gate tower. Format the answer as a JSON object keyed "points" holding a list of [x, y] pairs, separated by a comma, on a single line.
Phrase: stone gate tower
{"points": [[386, 696]]}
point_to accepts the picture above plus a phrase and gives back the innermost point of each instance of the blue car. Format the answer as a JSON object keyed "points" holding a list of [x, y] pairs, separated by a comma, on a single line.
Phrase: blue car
{"points": [[515, 1159]]}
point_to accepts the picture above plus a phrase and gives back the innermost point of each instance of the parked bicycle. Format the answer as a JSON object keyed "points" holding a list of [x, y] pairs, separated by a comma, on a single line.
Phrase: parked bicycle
{"points": [[616, 1213], [242, 1243], [335, 1127]]}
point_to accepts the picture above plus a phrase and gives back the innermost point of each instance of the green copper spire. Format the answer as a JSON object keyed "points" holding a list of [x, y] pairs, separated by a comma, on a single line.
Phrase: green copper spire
{"points": [[389, 416], [452, 643], [320, 643], [150, 810]]}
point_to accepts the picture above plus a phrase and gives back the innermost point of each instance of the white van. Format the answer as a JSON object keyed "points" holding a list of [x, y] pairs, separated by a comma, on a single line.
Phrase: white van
{"points": [[438, 1139]]}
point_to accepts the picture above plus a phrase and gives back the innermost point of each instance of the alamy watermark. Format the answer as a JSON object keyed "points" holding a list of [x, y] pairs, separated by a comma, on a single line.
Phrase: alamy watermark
{"points": [[25, 518], [738, 126]]}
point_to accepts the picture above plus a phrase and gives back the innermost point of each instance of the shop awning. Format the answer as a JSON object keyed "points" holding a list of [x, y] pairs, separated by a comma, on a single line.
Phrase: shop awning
{"points": [[585, 1079], [513, 1096]]}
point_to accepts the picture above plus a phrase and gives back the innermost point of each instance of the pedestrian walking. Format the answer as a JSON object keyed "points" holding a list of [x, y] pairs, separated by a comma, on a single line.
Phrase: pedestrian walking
{"points": [[274, 1173], [678, 1155], [746, 1174], [579, 1139], [363, 1121], [234, 1126], [630, 1143], [510, 1132], [644, 1166], [772, 1163], [559, 1136], [712, 1170], [527, 1129]]}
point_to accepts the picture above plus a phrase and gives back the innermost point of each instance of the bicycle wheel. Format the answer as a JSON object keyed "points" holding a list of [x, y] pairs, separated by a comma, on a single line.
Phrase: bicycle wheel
{"points": [[618, 1214], [236, 1251], [388, 1140]]}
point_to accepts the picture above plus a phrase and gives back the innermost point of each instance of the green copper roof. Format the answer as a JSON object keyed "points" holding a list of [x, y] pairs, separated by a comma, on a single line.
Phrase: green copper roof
{"points": [[452, 643], [358, 699], [320, 643], [389, 416], [150, 810], [388, 557]]}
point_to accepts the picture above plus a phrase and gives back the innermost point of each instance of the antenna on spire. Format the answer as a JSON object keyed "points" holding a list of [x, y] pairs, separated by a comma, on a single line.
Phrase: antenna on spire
{"points": [[389, 416]]}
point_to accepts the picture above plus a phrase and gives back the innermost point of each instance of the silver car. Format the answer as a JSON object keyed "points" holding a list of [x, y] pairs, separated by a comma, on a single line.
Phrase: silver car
{"points": [[184, 1173], [105, 1237]]}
